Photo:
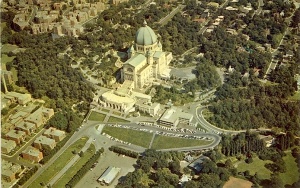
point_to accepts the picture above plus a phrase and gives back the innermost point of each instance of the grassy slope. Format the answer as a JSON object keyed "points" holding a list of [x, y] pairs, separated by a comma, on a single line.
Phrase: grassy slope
{"points": [[73, 170], [257, 166], [59, 164], [292, 174], [115, 119], [139, 138], [95, 116]]}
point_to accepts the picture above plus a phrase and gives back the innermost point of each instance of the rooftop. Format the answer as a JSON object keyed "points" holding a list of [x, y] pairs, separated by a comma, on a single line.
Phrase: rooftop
{"points": [[8, 168], [44, 140], [32, 151], [54, 131], [15, 134], [136, 60], [109, 175], [8, 143], [172, 114]]}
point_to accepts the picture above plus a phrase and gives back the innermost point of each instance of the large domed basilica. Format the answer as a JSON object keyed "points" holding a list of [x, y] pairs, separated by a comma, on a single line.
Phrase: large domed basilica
{"points": [[147, 62]]}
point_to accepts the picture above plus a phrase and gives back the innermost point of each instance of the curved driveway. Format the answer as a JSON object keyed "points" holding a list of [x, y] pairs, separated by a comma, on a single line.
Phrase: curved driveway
{"points": [[209, 127]]}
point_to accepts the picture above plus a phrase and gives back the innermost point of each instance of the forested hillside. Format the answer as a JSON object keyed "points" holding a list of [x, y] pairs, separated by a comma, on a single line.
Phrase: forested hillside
{"points": [[42, 72]]}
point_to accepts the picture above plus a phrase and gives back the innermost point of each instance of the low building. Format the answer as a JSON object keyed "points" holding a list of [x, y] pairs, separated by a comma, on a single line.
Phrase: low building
{"points": [[44, 143], [268, 140], [197, 164], [16, 135], [55, 134], [27, 127], [6, 127], [184, 178], [122, 99], [9, 170], [147, 107], [109, 175], [32, 154], [5, 102], [7, 145], [40, 116], [174, 116], [19, 97]]}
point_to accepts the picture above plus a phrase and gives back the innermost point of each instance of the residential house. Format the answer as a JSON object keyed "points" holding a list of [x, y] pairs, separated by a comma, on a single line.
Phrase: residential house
{"points": [[27, 127], [197, 164], [7, 145], [16, 135], [55, 134], [9, 170], [32, 154], [40, 116], [44, 143]]}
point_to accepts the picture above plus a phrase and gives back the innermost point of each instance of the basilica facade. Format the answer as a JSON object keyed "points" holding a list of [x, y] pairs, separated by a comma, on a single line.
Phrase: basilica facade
{"points": [[147, 61]]}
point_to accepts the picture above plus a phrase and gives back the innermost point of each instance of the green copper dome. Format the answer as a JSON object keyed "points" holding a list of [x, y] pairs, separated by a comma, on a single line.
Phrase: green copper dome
{"points": [[145, 36]]}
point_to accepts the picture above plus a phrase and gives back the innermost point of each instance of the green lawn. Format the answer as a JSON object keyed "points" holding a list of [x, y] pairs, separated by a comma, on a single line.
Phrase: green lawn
{"points": [[292, 174], [5, 59], [105, 110], [139, 138], [116, 120], [73, 170], [8, 48], [59, 164], [95, 116], [257, 166], [117, 113], [165, 142]]}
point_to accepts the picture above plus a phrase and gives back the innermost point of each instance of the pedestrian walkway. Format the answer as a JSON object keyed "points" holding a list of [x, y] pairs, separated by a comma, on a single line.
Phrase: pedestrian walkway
{"points": [[153, 137], [70, 164]]}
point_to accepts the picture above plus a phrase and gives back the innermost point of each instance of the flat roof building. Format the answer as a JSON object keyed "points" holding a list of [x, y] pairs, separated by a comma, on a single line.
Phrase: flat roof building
{"points": [[9, 170], [148, 107], [43, 142], [27, 127], [19, 97], [174, 116], [7, 145], [40, 116], [16, 135], [109, 175], [197, 164], [55, 134], [32, 154]]}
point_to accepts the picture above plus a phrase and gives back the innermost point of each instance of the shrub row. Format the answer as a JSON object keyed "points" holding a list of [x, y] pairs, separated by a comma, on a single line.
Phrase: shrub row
{"points": [[124, 151], [27, 175], [85, 168]]}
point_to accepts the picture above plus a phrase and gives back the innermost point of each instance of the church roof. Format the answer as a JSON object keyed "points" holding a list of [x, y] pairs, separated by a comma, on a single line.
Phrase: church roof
{"points": [[136, 60], [145, 35], [158, 54]]}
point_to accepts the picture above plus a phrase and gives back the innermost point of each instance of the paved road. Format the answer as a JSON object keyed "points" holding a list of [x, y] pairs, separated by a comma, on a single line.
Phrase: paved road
{"points": [[274, 62], [14, 158], [74, 138], [164, 20], [209, 127], [70, 164]]}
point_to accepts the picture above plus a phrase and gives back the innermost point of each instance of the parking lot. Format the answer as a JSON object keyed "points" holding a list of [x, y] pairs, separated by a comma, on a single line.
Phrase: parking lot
{"points": [[107, 159]]}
